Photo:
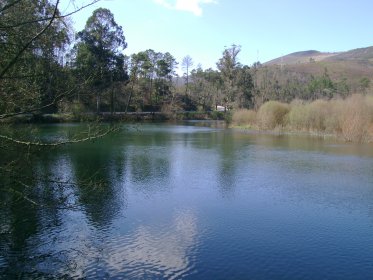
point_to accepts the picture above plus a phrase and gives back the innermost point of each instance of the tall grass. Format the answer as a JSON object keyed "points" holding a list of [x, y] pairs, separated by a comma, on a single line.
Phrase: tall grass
{"points": [[355, 119], [272, 114], [351, 119], [244, 117]]}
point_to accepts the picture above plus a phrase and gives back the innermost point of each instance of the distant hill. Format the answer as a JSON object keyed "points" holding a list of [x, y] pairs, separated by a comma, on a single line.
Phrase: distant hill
{"points": [[362, 55], [350, 66], [301, 57], [290, 76]]}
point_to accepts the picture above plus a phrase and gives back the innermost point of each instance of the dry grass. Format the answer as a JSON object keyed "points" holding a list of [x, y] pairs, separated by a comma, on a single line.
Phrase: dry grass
{"points": [[308, 116], [297, 117], [272, 114], [244, 117], [350, 118], [355, 119]]}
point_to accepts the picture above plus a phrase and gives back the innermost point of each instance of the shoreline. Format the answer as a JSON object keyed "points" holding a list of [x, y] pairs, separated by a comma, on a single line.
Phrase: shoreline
{"points": [[283, 131], [115, 117]]}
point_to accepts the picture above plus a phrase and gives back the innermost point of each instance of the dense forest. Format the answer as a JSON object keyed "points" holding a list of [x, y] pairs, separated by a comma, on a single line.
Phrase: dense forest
{"points": [[47, 67]]}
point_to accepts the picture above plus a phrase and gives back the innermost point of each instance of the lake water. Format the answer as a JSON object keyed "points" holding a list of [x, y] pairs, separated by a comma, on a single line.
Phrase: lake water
{"points": [[193, 201]]}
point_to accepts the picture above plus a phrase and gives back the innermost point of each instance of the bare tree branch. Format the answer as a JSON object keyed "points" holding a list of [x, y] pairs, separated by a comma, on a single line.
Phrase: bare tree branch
{"points": [[50, 18], [9, 5], [20, 194], [55, 144], [53, 102], [25, 46]]}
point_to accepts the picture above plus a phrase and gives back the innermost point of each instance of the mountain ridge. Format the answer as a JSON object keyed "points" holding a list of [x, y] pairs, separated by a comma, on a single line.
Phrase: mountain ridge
{"points": [[311, 56]]}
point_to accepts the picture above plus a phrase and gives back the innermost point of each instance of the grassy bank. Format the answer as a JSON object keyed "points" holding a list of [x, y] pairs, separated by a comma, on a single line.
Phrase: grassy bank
{"points": [[350, 119]]}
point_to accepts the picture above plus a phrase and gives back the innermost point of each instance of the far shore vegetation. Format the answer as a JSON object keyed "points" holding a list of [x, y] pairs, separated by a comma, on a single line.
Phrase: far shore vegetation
{"points": [[50, 72], [350, 119]]}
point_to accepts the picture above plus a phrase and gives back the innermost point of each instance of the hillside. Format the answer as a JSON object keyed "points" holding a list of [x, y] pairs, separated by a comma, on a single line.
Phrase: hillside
{"points": [[300, 57], [362, 55], [350, 66]]}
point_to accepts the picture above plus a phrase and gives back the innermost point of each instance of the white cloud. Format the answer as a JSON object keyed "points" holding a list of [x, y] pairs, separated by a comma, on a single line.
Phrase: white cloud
{"points": [[163, 3], [193, 6]]}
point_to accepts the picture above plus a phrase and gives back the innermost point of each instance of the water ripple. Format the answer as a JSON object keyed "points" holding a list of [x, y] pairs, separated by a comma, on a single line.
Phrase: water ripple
{"points": [[166, 252]]}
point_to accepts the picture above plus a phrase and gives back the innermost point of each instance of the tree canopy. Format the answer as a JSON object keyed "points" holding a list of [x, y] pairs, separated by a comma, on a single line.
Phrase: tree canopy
{"points": [[44, 69]]}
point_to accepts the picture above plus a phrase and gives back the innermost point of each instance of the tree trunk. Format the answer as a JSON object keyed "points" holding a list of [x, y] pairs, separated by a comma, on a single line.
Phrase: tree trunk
{"points": [[129, 99], [97, 103]]}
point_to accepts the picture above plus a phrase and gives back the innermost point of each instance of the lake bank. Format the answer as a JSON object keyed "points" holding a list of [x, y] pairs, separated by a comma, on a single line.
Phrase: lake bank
{"points": [[336, 136], [117, 117]]}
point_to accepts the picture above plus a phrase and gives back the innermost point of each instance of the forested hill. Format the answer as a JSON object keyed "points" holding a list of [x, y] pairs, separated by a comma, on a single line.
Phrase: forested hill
{"points": [[313, 74]]}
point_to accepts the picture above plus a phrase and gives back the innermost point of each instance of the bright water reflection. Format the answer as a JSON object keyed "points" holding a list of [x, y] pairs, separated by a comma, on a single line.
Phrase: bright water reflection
{"points": [[194, 201]]}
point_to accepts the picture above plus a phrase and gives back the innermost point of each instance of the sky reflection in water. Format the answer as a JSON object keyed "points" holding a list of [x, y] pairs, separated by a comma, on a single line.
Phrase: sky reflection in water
{"points": [[190, 201]]}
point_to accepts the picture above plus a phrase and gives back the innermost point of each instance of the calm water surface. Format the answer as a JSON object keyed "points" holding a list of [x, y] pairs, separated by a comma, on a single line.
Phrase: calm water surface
{"points": [[194, 201]]}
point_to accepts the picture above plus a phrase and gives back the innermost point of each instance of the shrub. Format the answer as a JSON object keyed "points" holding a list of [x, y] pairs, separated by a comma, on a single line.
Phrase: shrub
{"points": [[77, 108], [350, 118], [272, 114], [355, 119], [216, 115], [317, 113], [332, 119], [297, 117], [244, 117], [369, 102]]}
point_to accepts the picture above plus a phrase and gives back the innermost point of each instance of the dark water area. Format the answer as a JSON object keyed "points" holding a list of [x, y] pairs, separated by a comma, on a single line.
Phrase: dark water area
{"points": [[192, 200]]}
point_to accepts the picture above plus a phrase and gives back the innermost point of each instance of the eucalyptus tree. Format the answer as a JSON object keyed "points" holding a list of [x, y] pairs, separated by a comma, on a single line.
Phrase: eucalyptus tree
{"points": [[228, 65], [165, 71], [134, 65], [236, 80], [203, 88], [151, 75], [146, 61], [99, 52], [152, 57], [245, 84], [186, 65]]}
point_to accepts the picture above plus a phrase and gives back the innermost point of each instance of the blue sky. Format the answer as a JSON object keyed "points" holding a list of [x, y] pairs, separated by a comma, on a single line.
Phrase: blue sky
{"points": [[265, 29]]}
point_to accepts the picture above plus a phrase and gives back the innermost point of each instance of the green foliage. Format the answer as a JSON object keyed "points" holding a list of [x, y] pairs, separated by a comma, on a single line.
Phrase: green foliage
{"points": [[228, 117], [230, 86], [30, 49], [98, 54], [216, 115], [202, 88], [364, 84], [151, 75], [77, 109], [236, 80], [321, 87]]}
